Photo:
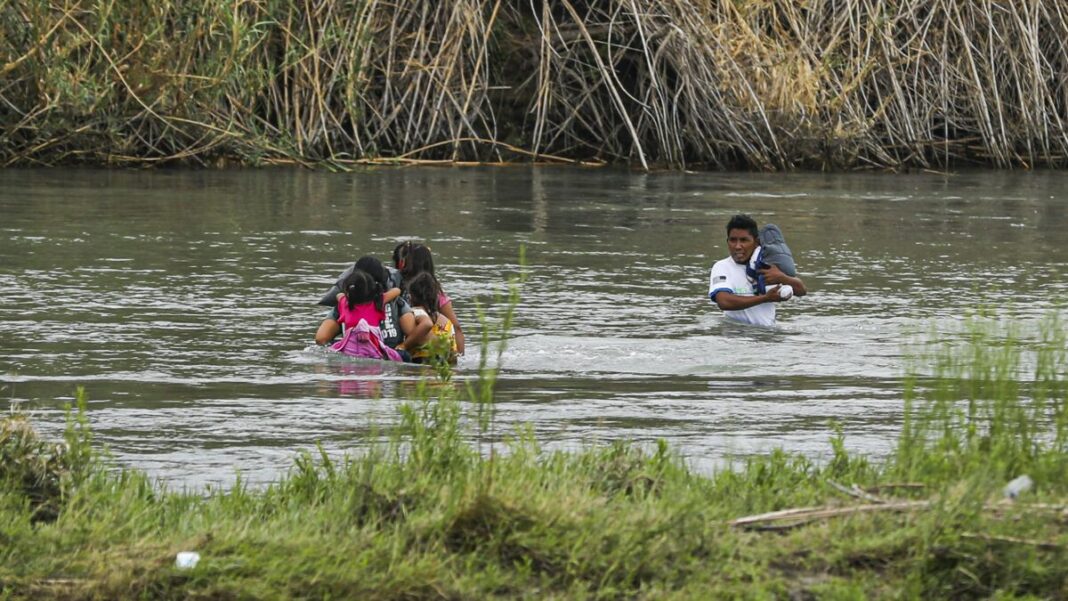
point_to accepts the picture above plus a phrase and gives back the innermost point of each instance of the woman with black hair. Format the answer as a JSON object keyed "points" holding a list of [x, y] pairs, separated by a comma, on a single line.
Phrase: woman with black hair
{"points": [[412, 259]]}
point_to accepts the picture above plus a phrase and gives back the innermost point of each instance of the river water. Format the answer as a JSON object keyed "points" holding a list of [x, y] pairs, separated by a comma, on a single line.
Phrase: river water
{"points": [[184, 302]]}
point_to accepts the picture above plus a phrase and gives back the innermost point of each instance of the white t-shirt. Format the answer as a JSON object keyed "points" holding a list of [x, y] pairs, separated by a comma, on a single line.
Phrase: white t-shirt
{"points": [[728, 276]]}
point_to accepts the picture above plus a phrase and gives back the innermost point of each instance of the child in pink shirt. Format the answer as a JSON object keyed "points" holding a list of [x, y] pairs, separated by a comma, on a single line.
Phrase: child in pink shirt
{"points": [[363, 298], [361, 307]]}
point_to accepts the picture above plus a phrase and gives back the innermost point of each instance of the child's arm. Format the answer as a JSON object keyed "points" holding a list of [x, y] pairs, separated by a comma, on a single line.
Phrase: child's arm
{"points": [[390, 294], [416, 330]]}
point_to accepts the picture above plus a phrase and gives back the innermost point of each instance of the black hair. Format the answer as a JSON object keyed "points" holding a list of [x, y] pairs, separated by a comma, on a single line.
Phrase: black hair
{"points": [[375, 268], [423, 290], [742, 221], [361, 287], [400, 253], [418, 260]]}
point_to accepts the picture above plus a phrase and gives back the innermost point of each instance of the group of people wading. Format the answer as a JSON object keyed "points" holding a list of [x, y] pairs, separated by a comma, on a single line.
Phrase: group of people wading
{"points": [[398, 313], [401, 313]]}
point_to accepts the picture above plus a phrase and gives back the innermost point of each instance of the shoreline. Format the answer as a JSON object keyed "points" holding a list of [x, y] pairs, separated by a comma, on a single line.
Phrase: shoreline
{"points": [[451, 508]]}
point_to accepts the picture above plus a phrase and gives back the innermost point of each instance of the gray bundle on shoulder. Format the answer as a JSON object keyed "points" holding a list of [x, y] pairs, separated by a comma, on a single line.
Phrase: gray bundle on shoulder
{"points": [[773, 250]]}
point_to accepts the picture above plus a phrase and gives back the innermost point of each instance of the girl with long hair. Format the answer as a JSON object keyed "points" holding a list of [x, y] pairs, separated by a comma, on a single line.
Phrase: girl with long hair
{"points": [[413, 259]]}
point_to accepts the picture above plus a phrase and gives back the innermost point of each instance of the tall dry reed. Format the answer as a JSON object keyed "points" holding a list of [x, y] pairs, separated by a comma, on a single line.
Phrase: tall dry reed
{"points": [[771, 84]]}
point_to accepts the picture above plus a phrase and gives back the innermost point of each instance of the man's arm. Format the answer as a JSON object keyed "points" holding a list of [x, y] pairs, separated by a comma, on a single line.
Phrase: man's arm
{"points": [[729, 301], [774, 275]]}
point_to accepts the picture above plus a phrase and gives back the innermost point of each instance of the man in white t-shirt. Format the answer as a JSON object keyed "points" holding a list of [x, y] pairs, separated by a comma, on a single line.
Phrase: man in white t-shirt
{"points": [[734, 291]]}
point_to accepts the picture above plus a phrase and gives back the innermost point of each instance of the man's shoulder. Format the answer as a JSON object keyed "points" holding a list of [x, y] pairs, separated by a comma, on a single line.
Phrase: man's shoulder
{"points": [[402, 305], [724, 276], [725, 264], [395, 279]]}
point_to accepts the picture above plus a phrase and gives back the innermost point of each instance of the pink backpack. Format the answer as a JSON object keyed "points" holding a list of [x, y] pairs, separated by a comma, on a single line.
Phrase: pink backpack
{"points": [[363, 340]]}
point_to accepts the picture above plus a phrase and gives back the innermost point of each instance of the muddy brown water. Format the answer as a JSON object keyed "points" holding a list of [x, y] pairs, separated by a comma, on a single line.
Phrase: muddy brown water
{"points": [[184, 302]]}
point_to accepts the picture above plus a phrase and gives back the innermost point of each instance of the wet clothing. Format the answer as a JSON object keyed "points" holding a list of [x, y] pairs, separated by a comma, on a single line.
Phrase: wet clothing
{"points": [[348, 316], [774, 250], [442, 328], [389, 326], [364, 341], [728, 276]]}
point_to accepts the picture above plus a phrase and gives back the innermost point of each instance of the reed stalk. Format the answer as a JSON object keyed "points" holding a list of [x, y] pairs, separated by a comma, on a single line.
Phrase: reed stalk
{"points": [[773, 84]]}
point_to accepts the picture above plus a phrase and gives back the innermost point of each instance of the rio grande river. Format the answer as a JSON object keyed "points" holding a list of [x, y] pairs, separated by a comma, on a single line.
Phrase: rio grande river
{"points": [[184, 302]]}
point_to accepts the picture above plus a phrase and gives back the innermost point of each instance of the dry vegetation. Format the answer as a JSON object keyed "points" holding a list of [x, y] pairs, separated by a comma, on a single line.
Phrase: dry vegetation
{"points": [[764, 84]]}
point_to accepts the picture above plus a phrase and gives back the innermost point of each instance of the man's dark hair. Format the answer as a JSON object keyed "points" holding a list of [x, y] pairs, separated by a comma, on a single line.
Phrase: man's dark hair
{"points": [[375, 268], [743, 222]]}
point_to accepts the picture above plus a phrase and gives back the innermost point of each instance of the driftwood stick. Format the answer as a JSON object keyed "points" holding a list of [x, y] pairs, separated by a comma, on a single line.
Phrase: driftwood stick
{"points": [[452, 163], [992, 538], [800, 515], [813, 513], [856, 492], [895, 485], [514, 149]]}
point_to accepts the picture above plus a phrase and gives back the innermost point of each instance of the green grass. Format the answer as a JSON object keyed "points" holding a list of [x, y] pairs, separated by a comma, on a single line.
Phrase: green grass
{"points": [[430, 515]]}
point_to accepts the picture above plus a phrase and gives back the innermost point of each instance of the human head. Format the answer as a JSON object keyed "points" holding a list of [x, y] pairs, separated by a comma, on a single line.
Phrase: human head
{"points": [[375, 268], [419, 260], [400, 254], [742, 237], [361, 287], [423, 291], [742, 221]]}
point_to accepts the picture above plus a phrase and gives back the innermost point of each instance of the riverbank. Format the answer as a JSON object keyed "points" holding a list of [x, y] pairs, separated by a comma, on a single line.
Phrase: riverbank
{"points": [[451, 508], [757, 85]]}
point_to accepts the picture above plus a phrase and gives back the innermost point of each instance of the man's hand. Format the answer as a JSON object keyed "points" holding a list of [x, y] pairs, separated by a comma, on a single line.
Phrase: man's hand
{"points": [[773, 275], [772, 295]]}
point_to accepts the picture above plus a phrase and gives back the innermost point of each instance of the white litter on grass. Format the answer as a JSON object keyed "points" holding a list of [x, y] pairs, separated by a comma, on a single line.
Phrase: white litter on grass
{"points": [[186, 560], [1017, 486]]}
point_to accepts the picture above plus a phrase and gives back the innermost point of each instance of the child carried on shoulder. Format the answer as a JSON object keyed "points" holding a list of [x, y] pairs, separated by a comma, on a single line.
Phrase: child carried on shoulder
{"points": [[772, 251], [361, 307]]}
